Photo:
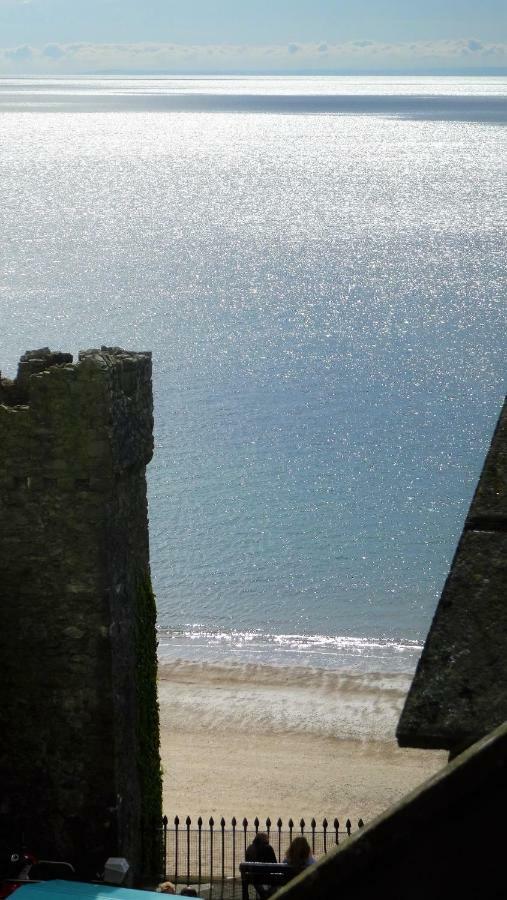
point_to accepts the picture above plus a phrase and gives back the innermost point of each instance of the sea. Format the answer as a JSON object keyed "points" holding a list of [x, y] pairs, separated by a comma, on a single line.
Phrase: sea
{"points": [[318, 267]]}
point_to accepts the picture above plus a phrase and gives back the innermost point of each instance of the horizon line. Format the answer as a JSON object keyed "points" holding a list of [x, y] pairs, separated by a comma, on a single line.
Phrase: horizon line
{"points": [[493, 71]]}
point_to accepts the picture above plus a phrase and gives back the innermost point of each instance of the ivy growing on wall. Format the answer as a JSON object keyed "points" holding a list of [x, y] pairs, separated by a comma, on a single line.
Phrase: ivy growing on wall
{"points": [[150, 775]]}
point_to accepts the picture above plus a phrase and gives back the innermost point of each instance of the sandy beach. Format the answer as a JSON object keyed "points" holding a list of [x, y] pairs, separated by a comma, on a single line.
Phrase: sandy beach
{"points": [[219, 761]]}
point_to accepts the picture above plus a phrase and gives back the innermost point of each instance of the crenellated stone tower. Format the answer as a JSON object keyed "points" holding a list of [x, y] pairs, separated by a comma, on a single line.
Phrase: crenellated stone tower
{"points": [[79, 748]]}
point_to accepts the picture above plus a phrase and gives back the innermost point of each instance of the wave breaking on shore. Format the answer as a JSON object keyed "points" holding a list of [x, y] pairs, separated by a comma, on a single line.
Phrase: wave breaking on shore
{"points": [[321, 651], [265, 699]]}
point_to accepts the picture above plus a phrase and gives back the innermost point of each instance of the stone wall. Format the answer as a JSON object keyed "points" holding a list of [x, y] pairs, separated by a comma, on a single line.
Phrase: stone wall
{"points": [[79, 760], [459, 691]]}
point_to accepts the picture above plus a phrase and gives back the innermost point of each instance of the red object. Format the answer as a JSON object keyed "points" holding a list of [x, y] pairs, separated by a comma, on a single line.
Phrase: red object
{"points": [[8, 888]]}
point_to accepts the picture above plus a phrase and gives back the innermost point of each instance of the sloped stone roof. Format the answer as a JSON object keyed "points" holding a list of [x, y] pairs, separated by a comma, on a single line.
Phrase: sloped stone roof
{"points": [[459, 691]]}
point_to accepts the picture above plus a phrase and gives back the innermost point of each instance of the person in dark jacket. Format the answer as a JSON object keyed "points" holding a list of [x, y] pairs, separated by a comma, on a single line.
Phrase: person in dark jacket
{"points": [[260, 850]]}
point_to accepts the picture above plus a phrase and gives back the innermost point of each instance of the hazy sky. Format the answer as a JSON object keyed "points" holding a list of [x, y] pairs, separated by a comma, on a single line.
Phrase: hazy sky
{"points": [[63, 36]]}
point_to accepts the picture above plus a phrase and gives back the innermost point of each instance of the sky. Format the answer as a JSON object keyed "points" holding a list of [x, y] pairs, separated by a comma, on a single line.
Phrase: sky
{"points": [[61, 37]]}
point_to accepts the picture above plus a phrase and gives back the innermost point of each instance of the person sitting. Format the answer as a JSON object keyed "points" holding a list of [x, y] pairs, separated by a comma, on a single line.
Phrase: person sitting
{"points": [[166, 887], [260, 850], [299, 853]]}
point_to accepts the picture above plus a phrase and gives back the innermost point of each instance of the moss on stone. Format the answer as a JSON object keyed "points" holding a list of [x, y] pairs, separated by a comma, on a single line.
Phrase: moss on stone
{"points": [[150, 774]]}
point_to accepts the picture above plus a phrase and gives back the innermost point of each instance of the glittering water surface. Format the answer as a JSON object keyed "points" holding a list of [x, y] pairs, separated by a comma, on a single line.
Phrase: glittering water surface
{"points": [[323, 291]]}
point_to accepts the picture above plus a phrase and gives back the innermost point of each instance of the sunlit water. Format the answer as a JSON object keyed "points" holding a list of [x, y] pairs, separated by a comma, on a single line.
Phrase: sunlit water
{"points": [[318, 268]]}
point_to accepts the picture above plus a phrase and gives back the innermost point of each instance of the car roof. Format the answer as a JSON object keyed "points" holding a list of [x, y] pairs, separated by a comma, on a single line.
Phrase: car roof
{"points": [[61, 890]]}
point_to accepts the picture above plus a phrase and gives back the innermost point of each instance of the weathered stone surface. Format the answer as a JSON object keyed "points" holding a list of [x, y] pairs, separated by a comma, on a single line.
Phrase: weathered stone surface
{"points": [[459, 691], [444, 840], [489, 505], [75, 633]]}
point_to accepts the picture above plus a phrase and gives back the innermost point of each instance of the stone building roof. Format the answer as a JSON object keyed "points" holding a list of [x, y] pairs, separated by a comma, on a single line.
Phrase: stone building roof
{"points": [[459, 692]]}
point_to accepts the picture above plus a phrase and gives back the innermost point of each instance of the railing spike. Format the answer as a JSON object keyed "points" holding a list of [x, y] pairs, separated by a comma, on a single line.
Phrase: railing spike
{"points": [[348, 826], [176, 821], [188, 821], [199, 822], [211, 821], [222, 822], [245, 823], [268, 823], [302, 824], [324, 829], [360, 824], [279, 823], [313, 823], [234, 822], [336, 824], [256, 822], [290, 823]]}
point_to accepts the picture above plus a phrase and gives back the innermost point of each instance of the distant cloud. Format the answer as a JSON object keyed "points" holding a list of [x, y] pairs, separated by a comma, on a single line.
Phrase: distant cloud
{"points": [[19, 54], [353, 56]]}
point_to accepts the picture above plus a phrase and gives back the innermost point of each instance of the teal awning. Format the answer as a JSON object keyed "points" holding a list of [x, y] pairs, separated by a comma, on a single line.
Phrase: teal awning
{"points": [[61, 890]]}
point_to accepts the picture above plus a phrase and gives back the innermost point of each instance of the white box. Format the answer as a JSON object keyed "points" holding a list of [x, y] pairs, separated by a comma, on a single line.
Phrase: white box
{"points": [[115, 870]]}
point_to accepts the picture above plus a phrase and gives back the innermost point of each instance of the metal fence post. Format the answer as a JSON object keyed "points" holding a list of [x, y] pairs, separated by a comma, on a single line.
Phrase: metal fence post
{"points": [[256, 825], [165, 822], [199, 846], [336, 826], [279, 826], [222, 826], [268, 827], [348, 826], [188, 823], [211, 823], [245, 826], [314, 825], [176, 824], [233, 823], [324, 828], [302, 825], [360, 824], [291, 826]]}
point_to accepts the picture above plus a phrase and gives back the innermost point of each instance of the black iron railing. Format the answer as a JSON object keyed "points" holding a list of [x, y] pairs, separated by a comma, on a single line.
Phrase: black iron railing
{"points": [[211, 851]]}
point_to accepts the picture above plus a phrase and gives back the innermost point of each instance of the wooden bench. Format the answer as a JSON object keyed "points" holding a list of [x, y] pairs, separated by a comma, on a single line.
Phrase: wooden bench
{"points": [[260, 874]]}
